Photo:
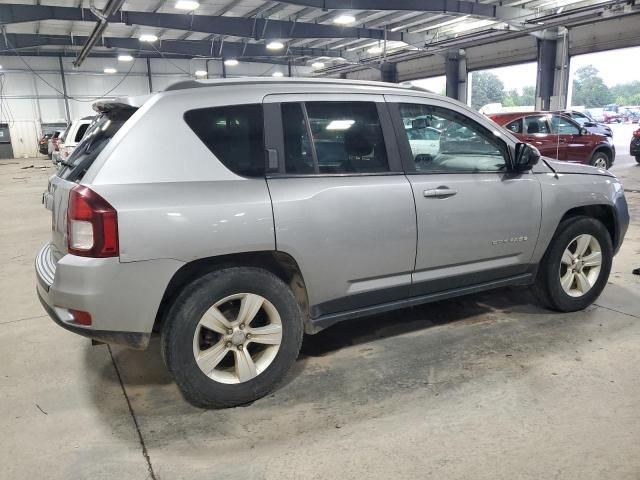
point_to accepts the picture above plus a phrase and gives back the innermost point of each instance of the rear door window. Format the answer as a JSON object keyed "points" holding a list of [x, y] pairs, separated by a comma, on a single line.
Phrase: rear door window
{"points": [[537, 124], [234, 134], [334, 138]]}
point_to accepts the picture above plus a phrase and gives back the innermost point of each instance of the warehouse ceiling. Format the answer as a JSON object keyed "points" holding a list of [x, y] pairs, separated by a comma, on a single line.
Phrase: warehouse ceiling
{"points": [[326, 33]]}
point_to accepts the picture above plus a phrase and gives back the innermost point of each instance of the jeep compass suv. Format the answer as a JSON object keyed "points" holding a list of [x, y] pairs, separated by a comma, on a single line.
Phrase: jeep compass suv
{"points": [[278, 207]]}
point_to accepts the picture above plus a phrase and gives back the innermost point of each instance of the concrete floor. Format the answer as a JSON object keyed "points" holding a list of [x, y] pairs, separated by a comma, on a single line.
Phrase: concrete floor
{"points": [[486, 387]]}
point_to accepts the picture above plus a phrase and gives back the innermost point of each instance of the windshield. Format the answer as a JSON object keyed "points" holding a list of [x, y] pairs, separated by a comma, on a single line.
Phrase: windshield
{"points": [[94, 141]]}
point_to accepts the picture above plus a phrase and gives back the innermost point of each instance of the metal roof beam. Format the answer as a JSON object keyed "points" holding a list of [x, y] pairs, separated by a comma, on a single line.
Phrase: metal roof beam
{"points": [[256, 28], [187, 48], [449, 7]]}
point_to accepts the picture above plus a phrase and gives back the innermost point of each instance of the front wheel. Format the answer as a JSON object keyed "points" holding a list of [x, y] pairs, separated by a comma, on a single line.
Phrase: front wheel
{"points": [[232, 336], [576, 266], [600, 160]]}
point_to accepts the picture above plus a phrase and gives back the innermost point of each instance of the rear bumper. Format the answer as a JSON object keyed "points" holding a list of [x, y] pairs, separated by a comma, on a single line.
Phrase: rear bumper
{"points": [[136, 340], [122, 298]]}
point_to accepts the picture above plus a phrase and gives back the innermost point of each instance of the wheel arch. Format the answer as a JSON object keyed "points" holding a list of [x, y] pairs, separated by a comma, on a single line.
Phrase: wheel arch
{"points": [[608, 151], [282, 265], [602, 212]]}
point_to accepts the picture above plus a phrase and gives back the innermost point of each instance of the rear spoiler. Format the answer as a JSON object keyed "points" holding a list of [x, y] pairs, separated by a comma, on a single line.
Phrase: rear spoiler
{"points": [[123, 104]]}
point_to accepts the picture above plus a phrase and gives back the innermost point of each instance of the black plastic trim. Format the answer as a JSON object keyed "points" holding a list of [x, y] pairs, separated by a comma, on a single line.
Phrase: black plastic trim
{"points": [[320, 323]]}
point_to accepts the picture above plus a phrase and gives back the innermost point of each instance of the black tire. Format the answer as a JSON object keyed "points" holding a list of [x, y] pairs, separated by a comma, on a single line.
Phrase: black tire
{"points": [[638, 159], [599, 156], [547, 285], [187, 310]]}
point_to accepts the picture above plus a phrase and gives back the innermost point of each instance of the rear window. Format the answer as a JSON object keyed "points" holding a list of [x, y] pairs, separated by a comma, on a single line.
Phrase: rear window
{"points": [[234, 134], [96, 138], [82, 129]]}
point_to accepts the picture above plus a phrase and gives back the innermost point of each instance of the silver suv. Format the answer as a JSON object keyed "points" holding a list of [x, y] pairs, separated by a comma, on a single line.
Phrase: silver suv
{"points": [[233, 216]]}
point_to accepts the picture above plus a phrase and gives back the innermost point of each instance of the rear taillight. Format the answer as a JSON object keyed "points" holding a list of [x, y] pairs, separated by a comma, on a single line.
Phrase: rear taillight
{"points": [[92, 225]]}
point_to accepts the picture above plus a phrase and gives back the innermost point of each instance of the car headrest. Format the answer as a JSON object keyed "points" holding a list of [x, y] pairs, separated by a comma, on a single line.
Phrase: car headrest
{"points": [[533, 127], [356, 142]]}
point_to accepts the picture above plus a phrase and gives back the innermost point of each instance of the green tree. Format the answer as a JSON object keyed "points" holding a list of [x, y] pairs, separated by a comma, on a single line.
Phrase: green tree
{"points": [[513, 98], [486, 88], [589, 90], [626, 93]]}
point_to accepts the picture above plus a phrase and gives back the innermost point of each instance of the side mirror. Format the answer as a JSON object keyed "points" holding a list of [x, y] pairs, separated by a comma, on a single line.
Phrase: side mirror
{"points": [[584, 131], [526, 157]]}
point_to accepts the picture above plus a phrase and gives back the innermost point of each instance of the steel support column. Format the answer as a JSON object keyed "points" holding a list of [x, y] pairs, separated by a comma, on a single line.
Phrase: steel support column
{"points": [[64, 91], [546, 72], [456, 72], [553, 70], [388, 72], [149, 75]]}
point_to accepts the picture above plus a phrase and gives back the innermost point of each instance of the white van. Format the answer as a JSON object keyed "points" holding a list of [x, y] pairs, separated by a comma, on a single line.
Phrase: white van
{"points": [[70, 138]]}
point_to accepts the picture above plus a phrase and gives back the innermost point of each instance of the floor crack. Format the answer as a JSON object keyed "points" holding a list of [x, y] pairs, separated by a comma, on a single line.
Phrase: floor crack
{"points": [[145, 453], [617, 311]]}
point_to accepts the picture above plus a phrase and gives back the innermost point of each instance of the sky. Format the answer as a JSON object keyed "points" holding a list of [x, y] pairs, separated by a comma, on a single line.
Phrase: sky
{"points": [[615, 66]]}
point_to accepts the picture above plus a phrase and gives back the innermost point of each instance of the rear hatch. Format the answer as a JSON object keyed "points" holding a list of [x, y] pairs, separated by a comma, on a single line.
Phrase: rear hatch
{"points": [[112, 115]]}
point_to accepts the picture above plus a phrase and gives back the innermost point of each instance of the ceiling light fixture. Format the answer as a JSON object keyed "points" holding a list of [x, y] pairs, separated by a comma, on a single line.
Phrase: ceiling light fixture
{"points": [[344, 19], [277, 74], [201, 73], [375, 49], [231, 62], [148, 37], [187, 5], [110, 70], [275, 45], [125, 58], [317, 65]]}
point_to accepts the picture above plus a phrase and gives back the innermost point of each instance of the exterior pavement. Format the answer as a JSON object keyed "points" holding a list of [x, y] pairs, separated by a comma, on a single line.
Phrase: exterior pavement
{"points": [[487, 386]]}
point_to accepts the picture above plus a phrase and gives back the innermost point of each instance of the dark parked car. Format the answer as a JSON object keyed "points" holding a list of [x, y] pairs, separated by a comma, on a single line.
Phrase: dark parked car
{"points": [[634, 148], [586, 121], [43, 143], [558, 136]]}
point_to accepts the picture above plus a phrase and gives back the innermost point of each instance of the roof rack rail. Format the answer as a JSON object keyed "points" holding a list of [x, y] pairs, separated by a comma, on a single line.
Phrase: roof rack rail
{"points": [[188, 84]]}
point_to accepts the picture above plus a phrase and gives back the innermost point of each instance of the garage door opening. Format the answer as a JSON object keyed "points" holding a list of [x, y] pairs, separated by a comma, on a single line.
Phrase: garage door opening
{"points": [[606, 85], [434, 84], [503, 89]]}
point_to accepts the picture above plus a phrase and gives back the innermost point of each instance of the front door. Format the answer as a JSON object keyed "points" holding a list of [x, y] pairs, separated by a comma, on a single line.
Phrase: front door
{"points": [[342, 206], [477, 222]]}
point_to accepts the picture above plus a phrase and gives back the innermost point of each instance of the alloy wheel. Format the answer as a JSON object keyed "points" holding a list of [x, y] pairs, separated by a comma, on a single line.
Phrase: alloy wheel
{"points": [[237, 338], [600, 162], [580, 265]]}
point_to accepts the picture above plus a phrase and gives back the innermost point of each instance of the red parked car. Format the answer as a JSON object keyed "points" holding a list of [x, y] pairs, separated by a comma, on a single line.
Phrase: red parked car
{"points": [[634, 147], [560, 137]]}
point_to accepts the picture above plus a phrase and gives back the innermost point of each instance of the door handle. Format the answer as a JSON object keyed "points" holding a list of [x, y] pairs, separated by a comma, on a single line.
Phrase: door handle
{"points": [[440, 192], [562, 140]]}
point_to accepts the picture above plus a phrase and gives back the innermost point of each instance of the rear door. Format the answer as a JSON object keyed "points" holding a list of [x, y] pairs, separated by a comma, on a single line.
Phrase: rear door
{"points": [[477, 221], [342, 206], [537, 132]]}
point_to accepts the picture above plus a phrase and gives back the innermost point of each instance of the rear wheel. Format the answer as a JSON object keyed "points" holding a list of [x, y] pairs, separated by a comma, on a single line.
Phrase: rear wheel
{"points": [[576, 266], [600, 160], [232, 336], [638, 159]]}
